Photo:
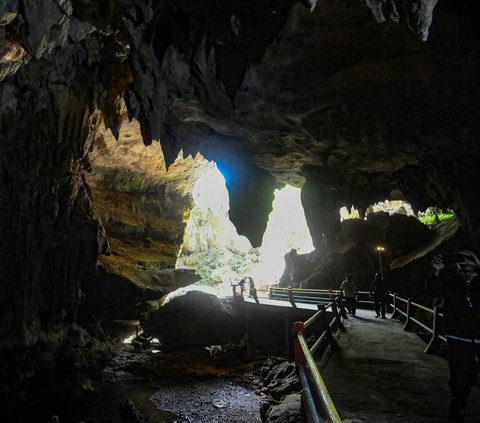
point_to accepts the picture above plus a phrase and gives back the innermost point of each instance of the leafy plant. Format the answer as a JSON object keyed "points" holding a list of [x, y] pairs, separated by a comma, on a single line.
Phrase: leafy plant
{"points": [[432, 216]]}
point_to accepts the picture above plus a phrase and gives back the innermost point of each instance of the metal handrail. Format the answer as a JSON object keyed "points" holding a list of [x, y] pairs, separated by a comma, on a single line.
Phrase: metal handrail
{"points": [[325, 296], [318, 402], [410, 320]]}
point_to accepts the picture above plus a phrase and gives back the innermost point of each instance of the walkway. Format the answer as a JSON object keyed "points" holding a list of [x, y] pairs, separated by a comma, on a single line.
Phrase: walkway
{"points": [[382, 375]]}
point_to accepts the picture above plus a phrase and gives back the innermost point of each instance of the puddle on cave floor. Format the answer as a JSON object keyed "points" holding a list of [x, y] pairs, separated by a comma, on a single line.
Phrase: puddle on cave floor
{"points": [[185, 387]]}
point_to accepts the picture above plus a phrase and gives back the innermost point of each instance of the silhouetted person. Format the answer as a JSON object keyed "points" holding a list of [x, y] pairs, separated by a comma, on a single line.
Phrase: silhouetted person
{"points": [[378, 290], [290, 266], [349, 291], [241, 284], [456, 278], [251, 292]]}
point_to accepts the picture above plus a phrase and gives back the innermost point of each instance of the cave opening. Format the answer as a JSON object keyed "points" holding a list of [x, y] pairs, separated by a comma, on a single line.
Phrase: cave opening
{"points": [[221, 256]]}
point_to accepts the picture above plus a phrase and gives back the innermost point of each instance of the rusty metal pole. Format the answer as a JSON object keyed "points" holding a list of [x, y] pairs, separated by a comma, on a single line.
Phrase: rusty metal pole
{"points": [[299, 356]]}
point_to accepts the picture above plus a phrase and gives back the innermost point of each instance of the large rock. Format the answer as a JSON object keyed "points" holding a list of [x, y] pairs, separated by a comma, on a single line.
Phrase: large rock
{"points": [[355, 251], [283, 386], [195, 319]]}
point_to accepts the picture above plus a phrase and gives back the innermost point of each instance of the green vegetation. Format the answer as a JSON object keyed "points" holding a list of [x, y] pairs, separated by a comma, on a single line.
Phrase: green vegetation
{"points": [[432, 216]]}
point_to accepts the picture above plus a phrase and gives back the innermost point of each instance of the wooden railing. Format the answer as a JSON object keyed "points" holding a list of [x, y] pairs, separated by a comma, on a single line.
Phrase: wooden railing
{"points": [[317, 401]]}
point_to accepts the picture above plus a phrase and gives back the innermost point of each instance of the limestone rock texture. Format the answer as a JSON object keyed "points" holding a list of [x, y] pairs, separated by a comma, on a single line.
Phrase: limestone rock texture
{"points": [[351, 99], [142, 205]]}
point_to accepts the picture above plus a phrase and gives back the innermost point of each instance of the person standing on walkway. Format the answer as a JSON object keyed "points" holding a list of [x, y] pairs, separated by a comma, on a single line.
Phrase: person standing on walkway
{"points": [[379, 291], [241, 284], [349, 291], [457, 279]]}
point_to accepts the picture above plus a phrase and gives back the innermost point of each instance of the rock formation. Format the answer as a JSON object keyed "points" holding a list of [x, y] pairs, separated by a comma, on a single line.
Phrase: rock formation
{"points": [[193, 320], [350, 98]]}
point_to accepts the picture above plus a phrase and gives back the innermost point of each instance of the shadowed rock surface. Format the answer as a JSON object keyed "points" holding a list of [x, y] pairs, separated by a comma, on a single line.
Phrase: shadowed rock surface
{"points": [[193, 320], [355, 253]]}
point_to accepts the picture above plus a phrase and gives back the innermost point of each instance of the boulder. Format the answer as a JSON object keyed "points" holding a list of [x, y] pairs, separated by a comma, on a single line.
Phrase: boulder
{"points": [[286, 411], [355, 251], [283, 386], [193, 320], [280, 378]]}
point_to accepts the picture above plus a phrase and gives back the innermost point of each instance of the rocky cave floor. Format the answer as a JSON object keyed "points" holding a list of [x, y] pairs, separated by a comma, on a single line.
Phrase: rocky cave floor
{"points": [[200, 386]]}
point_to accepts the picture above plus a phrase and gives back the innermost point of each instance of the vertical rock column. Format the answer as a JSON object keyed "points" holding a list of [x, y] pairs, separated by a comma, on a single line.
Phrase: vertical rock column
{"points": [[322, 212]]}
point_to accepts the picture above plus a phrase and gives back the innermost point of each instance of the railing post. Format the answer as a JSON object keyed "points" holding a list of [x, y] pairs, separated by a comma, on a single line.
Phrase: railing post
{"points": [[328, 333], [255, 296], [234, 289], [408, 322], [435, 340], [343, 312], [395, 310], [290, 297], [337, 318], [298, 354]]}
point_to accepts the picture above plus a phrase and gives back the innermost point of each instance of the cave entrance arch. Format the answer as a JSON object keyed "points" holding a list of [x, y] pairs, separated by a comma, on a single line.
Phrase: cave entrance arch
{"points": [[213, 247]]}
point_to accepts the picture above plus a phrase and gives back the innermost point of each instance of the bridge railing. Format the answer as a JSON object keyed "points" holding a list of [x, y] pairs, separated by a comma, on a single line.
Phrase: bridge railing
{"points": [[319, 406], [407, 308], [318, 403], [308, 296], [315, 296]]}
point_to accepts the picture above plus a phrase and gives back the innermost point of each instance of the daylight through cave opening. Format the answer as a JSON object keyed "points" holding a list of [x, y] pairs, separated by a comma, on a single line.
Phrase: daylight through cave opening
{"points": [[213, 247]]}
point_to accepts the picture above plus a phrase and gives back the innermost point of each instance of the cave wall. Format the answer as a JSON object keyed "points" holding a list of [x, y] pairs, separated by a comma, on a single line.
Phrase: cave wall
{"points": [[51, 234]]}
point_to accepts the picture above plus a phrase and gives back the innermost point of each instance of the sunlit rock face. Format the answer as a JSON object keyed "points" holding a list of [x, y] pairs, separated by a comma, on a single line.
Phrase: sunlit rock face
{"points": [[213, 246], [211, 243], [143, 206]]}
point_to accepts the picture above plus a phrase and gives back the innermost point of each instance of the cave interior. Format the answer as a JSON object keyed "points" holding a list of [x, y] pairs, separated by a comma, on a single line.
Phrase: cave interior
{"points": [[109, 112]]}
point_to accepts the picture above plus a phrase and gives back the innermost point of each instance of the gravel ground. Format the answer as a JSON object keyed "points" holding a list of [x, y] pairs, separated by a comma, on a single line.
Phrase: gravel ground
{"points": [[179, 388], [209, 400]]}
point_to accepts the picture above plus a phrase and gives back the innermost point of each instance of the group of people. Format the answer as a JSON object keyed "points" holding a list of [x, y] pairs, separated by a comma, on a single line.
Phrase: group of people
{"points": [[378, 291], [247, 281], [456, 278]]}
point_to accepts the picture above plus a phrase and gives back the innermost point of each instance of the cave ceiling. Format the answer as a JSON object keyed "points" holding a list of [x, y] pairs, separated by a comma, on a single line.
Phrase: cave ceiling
{"points": [[354, 97]]}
